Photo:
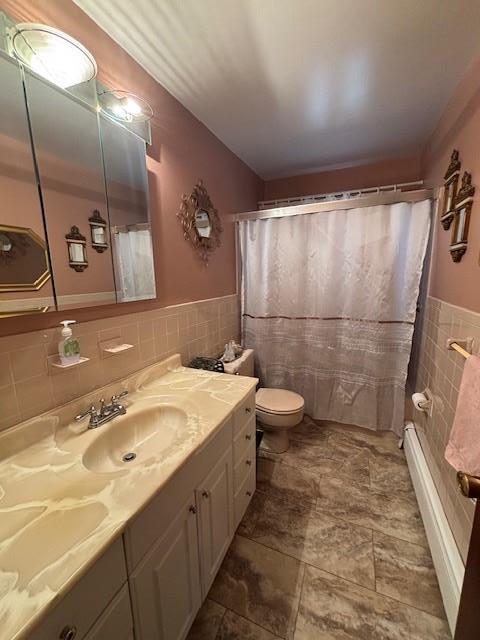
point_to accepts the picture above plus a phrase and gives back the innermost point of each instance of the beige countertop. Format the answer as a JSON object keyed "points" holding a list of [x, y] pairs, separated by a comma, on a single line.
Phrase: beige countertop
{"points": [[57, 516]]}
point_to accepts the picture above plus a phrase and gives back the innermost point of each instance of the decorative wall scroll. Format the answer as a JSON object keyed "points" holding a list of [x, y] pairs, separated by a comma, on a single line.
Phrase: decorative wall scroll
{"points": [[451, 184], [77, 251], [200, 221], [462, 211]]}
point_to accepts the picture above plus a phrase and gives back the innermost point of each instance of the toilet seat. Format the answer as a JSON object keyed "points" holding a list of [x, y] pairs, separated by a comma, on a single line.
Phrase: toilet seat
{"points": [[279, 401]]}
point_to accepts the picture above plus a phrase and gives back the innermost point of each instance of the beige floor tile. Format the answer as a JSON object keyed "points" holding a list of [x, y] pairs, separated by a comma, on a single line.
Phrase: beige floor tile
{"points": [[247, 525], [389, 473], [331, 544], [405, 571], [333, 609], [393, 514], [287, 482], [260, 584], [234, 627], [208, 621]]}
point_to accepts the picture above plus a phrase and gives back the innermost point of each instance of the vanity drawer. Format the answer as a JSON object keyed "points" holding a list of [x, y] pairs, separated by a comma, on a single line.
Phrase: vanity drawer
{"points": [[244, 439], [244, 411], [245, 465], [243, 496], [84, 603]]}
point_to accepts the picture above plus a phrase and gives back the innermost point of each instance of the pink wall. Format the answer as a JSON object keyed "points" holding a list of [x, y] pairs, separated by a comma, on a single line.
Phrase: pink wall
{"points": [[183, 151], [384, 172], [458, 128]]}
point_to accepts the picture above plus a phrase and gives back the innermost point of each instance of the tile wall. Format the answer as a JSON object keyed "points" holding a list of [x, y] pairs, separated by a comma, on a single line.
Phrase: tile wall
{"points": [[29, 385], [440, 370]]}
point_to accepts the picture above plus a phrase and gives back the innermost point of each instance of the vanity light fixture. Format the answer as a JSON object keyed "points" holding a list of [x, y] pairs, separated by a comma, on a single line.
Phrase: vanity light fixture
{"points": [[98, 231], [125, 106], [53, 54], [77, 251]]}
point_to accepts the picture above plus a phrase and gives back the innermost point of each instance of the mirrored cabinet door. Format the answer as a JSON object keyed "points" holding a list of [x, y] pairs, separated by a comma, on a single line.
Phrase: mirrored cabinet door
{"points": [[127, 192], [25, 279], [69, 158]]}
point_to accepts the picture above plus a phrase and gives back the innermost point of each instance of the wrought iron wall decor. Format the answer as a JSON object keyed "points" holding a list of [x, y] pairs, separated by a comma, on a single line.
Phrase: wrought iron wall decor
{"points": [[98, 232], [451, 185], [462, 211], [200, 221], [77, 250]]}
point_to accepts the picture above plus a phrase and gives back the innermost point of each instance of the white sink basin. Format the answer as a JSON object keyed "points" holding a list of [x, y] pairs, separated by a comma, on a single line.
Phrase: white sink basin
{"points": [[138, 438]]}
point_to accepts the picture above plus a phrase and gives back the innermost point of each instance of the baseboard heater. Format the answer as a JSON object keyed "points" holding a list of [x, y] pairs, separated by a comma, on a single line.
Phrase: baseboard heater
{"points": [[446, 557]]}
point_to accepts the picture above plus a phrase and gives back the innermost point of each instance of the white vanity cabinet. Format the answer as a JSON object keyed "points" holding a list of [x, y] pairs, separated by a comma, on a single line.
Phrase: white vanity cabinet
{"points": [[152, 586]]}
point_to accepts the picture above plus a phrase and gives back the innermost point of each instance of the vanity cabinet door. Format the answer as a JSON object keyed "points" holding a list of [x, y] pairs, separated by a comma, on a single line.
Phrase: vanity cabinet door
{"points": [[165, 586], [116, 621], [215, 518]]}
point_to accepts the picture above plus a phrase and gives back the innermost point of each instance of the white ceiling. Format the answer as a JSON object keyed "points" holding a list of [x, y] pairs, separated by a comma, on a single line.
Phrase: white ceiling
{"points": [[293, 86]]}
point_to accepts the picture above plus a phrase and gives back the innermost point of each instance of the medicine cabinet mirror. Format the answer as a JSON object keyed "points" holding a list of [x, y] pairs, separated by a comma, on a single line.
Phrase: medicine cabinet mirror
{"points": [[75, 224]]}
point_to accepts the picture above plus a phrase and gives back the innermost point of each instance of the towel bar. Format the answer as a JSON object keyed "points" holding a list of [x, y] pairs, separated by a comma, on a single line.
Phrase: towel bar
{"points": [[469, 485], [463, 347]]}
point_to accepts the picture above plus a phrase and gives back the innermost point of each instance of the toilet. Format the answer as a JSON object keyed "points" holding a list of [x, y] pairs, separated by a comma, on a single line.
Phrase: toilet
{"points": [[277, 410]]}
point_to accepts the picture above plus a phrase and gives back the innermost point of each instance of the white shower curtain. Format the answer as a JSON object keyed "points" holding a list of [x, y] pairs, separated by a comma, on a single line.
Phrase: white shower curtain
{"points": [[134, 270], [328, 304]]}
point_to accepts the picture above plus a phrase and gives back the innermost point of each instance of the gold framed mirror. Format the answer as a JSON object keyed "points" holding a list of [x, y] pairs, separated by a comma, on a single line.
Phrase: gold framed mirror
{"points": [[200, 221], [23, 259]]}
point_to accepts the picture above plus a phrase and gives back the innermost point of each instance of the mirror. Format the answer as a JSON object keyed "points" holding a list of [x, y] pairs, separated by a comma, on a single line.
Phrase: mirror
{"points": [[202, 223], [462, 211], [25, 282], [127, 193], [75, 225], [69, 159]]}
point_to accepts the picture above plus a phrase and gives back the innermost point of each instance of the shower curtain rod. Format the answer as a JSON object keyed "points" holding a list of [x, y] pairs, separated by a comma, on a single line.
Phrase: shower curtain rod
{"points": [[335, 205]]}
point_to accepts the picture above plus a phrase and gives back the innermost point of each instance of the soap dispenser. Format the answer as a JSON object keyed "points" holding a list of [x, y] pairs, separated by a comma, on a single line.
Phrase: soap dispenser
{"points": [[68, 347]]}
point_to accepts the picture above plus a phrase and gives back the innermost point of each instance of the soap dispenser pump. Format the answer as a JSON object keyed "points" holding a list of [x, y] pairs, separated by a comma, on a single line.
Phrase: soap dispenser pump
{"points": [[68, 347]]}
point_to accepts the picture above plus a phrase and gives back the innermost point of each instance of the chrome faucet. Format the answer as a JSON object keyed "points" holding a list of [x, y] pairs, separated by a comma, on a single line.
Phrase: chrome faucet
{"points": [[105, 413]]}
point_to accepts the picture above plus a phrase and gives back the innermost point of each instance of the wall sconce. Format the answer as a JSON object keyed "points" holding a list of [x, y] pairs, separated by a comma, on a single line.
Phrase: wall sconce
{"points": [[463, 208], [77, 250], [98, 231], [450, 184]]}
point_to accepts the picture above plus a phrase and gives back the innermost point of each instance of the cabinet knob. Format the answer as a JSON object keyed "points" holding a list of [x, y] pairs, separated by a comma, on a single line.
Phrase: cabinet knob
{"points": [[248, 463], [248, 437], [249, 493], [68, 633], [248, 410], [205, 493], [192, 509]]}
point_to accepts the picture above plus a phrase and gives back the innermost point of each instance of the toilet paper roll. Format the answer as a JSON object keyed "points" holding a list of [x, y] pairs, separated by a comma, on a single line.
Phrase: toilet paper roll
{"points": [[420, 401]]}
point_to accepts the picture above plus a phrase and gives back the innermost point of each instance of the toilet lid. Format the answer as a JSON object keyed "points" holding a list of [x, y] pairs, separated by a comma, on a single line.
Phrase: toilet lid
{"points": [[279, 401]]}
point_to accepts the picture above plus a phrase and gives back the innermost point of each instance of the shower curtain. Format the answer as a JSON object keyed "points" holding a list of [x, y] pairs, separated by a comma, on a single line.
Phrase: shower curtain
{"points": [[328, 304], [134, 270]]}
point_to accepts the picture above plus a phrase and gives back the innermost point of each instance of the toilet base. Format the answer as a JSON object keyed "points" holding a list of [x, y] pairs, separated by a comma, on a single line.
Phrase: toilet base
{"points": [[275, 441]]}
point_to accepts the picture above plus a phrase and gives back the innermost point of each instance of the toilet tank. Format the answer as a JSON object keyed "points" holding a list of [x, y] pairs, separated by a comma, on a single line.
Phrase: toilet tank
{"points": [[243, 366]]}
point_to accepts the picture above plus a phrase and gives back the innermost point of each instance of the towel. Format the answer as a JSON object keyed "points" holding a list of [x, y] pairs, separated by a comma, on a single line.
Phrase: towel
{"points": [[463, 448]]}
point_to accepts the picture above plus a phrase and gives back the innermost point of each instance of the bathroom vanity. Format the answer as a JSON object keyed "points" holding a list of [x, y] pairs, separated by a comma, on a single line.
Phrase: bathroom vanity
{"points": [[94, 547]]}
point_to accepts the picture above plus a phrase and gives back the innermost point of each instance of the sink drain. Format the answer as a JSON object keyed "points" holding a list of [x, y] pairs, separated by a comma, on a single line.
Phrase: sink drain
{"points": [[128, 457]]}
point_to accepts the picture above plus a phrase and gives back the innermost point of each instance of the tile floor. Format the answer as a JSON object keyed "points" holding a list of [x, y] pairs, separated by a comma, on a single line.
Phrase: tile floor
{"points": [[332, 547]]}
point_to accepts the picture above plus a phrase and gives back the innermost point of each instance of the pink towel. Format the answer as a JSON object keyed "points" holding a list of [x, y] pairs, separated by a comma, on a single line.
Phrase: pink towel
{"points": [[463, 448]]}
